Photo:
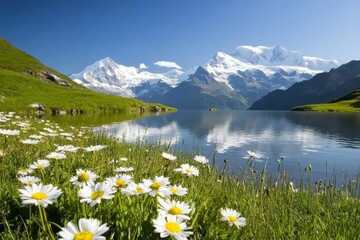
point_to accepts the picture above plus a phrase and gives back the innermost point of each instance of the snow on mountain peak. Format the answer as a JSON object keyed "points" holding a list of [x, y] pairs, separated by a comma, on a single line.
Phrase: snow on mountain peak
{"points": [[108, 76], [275, 63]]}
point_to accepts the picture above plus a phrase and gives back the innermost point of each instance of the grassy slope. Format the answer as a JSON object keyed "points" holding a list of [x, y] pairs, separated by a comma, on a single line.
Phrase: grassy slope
{"points": [[18, 90], [347, 103]]}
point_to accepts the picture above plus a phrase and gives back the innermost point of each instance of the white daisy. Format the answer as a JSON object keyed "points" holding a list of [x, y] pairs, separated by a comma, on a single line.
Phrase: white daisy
{"points": [[83, 177], [1, 153], [24, 171], [201, 159], [37, 137], [66, 134], [42, 195], [124, 169], [135, 189], [251, 154], [94, 148], [40, 164], [56, 155], [188, 170], [233, 217], [171, 226], [158, 185], [93, 194], [175, 208], [86, 230], [168, 156], [8, 132], [67, 148], [120, 180], [29, 180], [30, 141], [178, 190]]}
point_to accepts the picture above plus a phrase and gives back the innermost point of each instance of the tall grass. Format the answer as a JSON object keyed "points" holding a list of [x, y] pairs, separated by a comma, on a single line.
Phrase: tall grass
{"points": [[273, 207]]}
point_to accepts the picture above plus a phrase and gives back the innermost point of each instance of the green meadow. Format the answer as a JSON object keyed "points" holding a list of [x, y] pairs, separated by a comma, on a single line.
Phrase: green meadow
{"points": [[274, 207], [22, 84]]}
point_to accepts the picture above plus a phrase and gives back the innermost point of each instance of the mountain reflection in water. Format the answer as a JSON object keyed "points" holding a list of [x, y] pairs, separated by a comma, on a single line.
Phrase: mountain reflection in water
{"points": [[330, 142]]}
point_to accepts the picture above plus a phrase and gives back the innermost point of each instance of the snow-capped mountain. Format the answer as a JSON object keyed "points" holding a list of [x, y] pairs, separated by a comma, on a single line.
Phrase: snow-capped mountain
{"points": [[107, 76], [248, 74], [278, 66]]}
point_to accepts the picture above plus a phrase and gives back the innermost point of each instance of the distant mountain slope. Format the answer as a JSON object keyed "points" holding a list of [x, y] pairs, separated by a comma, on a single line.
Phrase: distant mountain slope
{"points": [[322, 88], [24, 81], [247, 74], [109, 77], [348, 103], [202, 91]]}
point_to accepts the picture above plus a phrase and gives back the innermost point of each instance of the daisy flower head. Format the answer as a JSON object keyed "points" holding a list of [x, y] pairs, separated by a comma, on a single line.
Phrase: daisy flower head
{"points": [[171, 226], [37, 137], [158, 186], [66, 148], [40, 164], [94, 148], [120, 180], [94, 193], [29, 180], [135, 189], [24, 171], [251, 154], [30, 141], [124, 169], [168, 156], [201, 159], [178, 190], [8, 132], [83, 178], [174, 208], [66, 134], [56, 155], [187, 169], [233, 217], [86, 229], [42, 195]]}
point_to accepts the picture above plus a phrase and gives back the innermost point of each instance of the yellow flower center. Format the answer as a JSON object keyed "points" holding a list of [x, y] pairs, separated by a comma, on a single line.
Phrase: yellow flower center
{"points": [[232, 218], [38, 196], [40, 166], [155, 186], [139, 190], [188, 170], [83, 236], [173, 227], [120, 183], [96, 195], [29, 182], [175, 210], [174, 190], [83, 177]]}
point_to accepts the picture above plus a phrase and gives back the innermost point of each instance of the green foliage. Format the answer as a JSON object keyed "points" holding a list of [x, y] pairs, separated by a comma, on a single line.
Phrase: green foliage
{"points": [[21, 85], [272, 207], [348, 103]]}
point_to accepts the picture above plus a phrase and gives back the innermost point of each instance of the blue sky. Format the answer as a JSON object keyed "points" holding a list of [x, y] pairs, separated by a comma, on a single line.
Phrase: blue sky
{"points": [[68, 35]]}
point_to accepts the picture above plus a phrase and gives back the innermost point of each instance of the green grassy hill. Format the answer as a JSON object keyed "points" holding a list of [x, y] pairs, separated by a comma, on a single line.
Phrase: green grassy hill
{"points": [[348, 103], [24, 80]]}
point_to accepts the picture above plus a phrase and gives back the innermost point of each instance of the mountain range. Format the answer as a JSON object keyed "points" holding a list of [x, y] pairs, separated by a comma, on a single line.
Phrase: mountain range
{"points": [[322, 88], [234, 80]]}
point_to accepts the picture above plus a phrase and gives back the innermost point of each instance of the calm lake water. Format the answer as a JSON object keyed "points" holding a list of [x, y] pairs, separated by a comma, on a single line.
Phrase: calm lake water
{"points": [[330, 142]]}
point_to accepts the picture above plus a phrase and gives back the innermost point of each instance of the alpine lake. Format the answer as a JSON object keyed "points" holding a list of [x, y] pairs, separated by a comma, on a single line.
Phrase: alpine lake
{"points": [[327, 144]]}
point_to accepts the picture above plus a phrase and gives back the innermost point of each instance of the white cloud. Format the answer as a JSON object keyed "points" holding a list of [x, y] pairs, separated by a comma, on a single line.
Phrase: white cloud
{"points": [[143, 66], [167, 64]]}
